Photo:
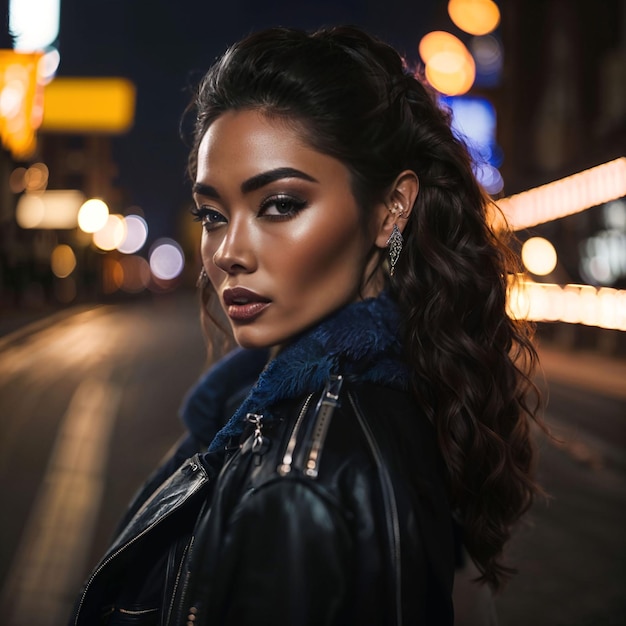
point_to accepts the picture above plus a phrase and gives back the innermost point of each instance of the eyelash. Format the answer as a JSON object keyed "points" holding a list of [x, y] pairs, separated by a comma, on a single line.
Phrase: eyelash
{"points": [[294, 206], [201, 213]]}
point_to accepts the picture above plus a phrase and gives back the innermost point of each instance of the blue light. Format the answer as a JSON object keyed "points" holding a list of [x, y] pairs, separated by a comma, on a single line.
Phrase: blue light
{"points": [[474, 122]]}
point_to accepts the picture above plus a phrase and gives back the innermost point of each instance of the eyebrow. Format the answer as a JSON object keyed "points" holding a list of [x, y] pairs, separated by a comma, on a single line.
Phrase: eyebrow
{"points": [[256, 182], [265, 178]]}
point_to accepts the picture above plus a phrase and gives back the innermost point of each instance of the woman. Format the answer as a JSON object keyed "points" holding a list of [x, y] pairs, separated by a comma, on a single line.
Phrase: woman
{"points": [[347, 242]]}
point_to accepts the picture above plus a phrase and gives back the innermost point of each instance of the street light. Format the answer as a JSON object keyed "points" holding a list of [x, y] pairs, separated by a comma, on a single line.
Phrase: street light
{"points": [[93, 215]]}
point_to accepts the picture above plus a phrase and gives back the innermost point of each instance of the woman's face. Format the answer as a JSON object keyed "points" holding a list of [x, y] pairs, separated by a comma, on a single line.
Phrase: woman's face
{"points": [[283, 241]]}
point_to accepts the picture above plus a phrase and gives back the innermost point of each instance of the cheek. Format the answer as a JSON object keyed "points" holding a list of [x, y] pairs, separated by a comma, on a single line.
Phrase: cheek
{"points": [[207, 251], [322, 252]]}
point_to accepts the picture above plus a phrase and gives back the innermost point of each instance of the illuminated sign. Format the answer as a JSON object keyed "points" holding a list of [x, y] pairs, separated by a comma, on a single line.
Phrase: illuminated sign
{"points": [[565, 196], [20, 101], [89, 105], [34, 23], [49, 209]]}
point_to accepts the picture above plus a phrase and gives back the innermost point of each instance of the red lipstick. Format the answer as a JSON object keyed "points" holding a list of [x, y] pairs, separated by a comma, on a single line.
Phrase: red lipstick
{"points": [[243, 305]]}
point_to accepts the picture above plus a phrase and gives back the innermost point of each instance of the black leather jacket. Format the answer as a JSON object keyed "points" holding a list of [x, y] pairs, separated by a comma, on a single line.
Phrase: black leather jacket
{"points": [[333, 513]]}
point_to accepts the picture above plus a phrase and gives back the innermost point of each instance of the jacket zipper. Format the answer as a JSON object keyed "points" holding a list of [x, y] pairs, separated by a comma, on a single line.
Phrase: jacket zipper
{"points": [[285, 467], [393, 525], [187, 550], [183, 599], [324, 412], [193, 466]]}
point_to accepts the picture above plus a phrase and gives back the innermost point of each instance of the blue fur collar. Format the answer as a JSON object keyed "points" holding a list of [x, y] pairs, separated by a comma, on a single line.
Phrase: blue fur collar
{"points": [[360, 341]]}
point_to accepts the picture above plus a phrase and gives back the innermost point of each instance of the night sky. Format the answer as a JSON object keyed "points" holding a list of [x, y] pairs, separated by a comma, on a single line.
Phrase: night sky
{"points": [[165, 46]]}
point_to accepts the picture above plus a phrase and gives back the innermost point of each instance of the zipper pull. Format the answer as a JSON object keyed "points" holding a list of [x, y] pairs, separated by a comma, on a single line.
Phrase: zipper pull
{"points": [[259, 442], [323, 415]]}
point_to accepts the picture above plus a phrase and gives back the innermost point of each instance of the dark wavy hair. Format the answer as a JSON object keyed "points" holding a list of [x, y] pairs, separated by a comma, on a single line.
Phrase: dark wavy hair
{"points": [[354, 99]]}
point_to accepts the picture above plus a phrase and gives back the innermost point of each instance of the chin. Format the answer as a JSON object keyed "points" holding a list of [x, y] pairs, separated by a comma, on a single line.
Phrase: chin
{"points": [[252, 341]]}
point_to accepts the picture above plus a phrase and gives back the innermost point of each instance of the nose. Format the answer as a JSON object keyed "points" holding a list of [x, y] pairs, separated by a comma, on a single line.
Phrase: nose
{"points": [[235, 254]]}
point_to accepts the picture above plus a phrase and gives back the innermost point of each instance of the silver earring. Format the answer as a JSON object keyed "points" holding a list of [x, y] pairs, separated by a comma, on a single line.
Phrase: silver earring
{"points": [[394, 243]]}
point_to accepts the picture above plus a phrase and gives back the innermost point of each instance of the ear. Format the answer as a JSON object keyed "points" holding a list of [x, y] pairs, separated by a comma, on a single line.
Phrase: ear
{"points": [[397, 207]]}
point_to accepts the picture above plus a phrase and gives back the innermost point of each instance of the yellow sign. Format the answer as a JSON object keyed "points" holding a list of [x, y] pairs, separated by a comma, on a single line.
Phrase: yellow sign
{"points": [[21, 95], [89, 105]]}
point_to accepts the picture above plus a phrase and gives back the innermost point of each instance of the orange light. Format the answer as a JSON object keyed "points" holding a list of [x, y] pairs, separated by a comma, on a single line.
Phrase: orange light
{"points": [[450, 67], [476, 17], [136, 274], [36, 177], [451, 73], [102, 105], [17, 184], [62, 261], [21, 101], [112, 275], [439, 41]]}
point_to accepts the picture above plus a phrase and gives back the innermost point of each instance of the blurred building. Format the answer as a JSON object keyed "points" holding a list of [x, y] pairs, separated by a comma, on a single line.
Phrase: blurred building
{"points": [[563, 96], [562, 110]]}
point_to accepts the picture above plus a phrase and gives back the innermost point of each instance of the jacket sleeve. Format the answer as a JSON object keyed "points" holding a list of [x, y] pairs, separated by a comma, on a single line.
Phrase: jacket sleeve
{"points": [[285, 559]]}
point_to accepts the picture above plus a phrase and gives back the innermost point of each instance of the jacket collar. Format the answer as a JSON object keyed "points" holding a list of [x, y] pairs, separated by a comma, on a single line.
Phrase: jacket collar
{"points": [[360, 341]]}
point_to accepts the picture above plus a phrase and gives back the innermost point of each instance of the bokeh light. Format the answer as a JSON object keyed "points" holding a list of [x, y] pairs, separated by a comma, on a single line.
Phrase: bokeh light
{"points": [[48, 65], [166, 259], [539, 256], [490, 178], [136, 234], [30, 211], [450, 68], [13, 92], [17, 184], [573, 304], [603, 257], [36, 177], [476, 17], [62, 261], [489, 59], [111, 235], [136, 274], [438, 41], [566, 196], [52, 209], [615, 215], [93, 215], [34, 23], [112, 275], [451, 73], [21, 102]]}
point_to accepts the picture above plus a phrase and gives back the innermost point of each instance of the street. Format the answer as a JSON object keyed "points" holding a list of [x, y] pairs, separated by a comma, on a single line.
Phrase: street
{"points": [[88, 406]]}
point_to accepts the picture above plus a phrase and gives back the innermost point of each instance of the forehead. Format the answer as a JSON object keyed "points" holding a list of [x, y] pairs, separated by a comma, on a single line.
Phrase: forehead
{"points": [[244, 143]]}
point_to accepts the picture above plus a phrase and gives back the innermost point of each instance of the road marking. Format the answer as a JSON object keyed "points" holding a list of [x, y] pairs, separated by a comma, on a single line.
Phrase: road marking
{"points": [[42, 582]]}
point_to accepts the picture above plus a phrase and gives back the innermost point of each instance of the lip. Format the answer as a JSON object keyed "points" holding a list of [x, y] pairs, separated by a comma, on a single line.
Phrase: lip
{"points": [[243, 305]]}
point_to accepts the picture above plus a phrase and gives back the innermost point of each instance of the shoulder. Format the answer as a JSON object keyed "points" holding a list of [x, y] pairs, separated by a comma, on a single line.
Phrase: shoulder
{"points": [[388, 420]]}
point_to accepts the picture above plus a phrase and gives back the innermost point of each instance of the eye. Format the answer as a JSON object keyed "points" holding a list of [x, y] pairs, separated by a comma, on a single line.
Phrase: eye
{"points": [[281, 207], [210, 218]]}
